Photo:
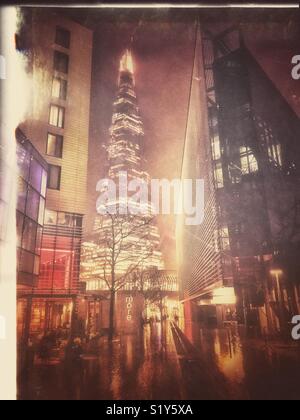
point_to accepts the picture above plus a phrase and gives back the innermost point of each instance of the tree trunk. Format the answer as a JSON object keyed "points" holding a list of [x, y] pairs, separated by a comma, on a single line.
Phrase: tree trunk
{"points": [[112, 315]]}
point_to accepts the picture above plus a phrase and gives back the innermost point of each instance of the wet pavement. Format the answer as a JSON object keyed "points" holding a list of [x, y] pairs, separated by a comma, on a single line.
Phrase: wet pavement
{"points": [[137, 367], [246, 368], [164, 364]]}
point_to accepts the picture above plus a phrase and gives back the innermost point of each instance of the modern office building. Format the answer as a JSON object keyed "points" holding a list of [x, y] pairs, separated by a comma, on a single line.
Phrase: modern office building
{"points": [[250, 160], [60, 55]]}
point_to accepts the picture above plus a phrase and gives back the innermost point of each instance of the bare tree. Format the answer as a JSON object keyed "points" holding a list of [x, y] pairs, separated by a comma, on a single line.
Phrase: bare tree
{"points": [[149, 284], [123, 246]]}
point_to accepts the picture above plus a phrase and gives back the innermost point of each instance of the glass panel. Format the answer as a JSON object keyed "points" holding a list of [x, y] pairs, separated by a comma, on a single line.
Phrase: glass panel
{"points": [[50, 217], [23, 159], [22, 195], [65, 219], [61, 117], [38, 242], [20, 221], [53, 115], [36, 175], [216, 148], [54, 177], [56, 87], [44, 183], [41, 211], [51, 145], [63, 89], [219, 175], [33, 201], [59, 88], [224, 236], [78, 221], [29, 235], [26, 262], [36, 268], [61, 62]]}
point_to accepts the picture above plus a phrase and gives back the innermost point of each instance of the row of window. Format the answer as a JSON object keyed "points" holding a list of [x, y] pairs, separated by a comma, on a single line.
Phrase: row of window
{"points": [[57, 113]]}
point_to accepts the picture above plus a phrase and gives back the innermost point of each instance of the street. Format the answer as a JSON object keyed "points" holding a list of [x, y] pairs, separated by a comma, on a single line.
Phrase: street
{"points": [[163, 364]]}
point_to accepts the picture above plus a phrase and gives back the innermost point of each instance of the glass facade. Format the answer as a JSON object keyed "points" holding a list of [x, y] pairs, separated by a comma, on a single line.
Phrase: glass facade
{"points": [[32, 181], [60, 255]]}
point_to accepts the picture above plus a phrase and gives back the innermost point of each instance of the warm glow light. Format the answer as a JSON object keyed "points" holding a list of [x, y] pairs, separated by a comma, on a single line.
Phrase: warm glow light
{"points": [[276, 272], [127, 62], [224, 296]]}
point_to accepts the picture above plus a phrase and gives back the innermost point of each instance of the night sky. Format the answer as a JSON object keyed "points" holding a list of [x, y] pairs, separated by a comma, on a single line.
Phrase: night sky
{"points": [[162, 46]]}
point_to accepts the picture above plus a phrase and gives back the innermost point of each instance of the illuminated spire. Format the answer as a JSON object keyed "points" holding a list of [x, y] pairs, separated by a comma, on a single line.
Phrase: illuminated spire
{"points": [[126, 64]]}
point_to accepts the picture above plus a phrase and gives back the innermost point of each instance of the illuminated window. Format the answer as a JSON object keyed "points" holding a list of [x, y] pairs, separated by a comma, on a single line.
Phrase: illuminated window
{"points": [[59, 88], [54, 145], [216, 148], [248, 161], [57, 116], [275, 153], [219, 175], [224, 239], [61, 62], [54, 177], [62, 37]]}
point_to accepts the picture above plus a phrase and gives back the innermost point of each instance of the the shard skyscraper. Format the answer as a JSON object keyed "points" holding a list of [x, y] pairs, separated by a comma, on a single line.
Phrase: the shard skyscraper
{"points": [[132, 241]]}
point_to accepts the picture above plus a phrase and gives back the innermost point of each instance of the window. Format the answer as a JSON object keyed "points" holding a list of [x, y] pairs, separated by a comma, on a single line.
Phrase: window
{"points": [[57, 116], [224, 238], [33, 204], [54, 177], [62, 37], [41, 211], [23, 159], [65, 219], [22, 195], [59, 88], [61, 62], [219, 175], [26, 262], [36, 172], [248, 161], [275, 153], [216, 147], [50, 217], [44, 183], [54, 145], [20, 222], [29, 235]]}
